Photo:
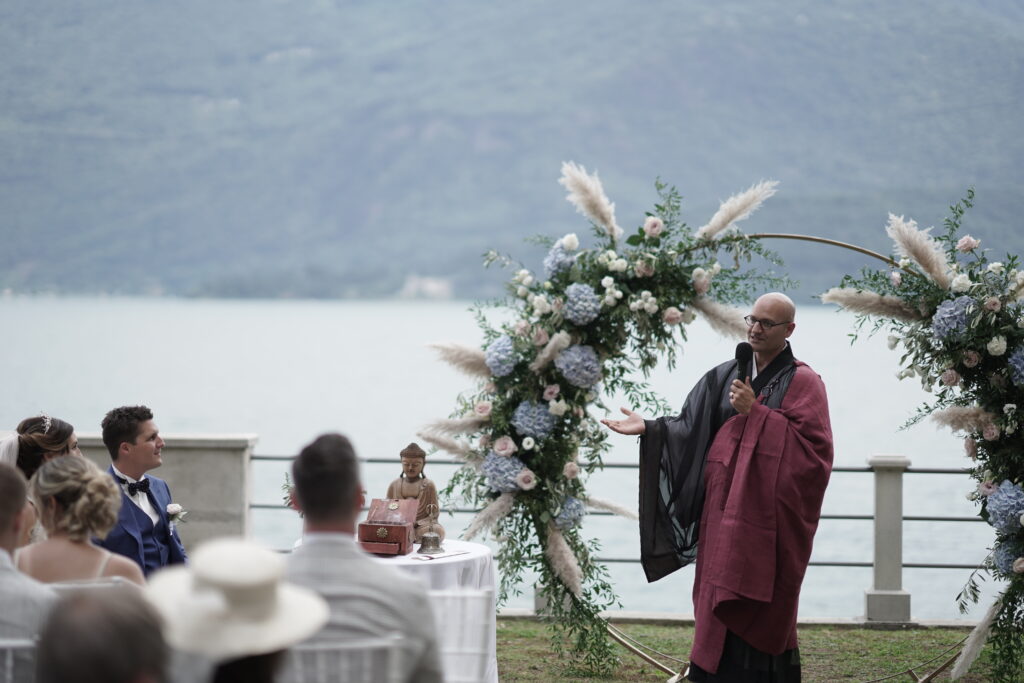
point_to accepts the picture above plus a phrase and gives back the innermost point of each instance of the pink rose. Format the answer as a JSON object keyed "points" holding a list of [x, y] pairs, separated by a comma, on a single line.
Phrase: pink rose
{"points": [[971, 448], [550, 391], [653, 226], [987, 488], [526, 479], [990, 432], [701, 285], [644, 269], [505, 446], [896, 277], [951, 378], [967, 243], [483, 408], [571, 470], [540, 336], [1018, 565], [672, 316], [971, 359], [522, 327], [993, 304]]}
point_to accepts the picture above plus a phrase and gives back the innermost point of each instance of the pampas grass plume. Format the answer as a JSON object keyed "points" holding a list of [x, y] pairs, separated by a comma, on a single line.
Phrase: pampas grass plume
{"points": [[921, 247], [457, 448], [469, 360], [725, 320], [489, 516], [462, 425], [563, 561], [587, 195], [737, 207], [975, 641], [871, 303], [558, 343], [614, 508], [964, 418]]}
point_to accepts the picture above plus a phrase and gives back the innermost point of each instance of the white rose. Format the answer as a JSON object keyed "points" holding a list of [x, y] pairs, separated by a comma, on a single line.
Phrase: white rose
{"points": [[699, 273], [996, 267], [570, 242], [1009, 408], [716, 269], [997, 346], [893, 341], [520, 274], [618, 265], [173, 509], [540, 304], [607, 282], [651, 307], [558, 408], [609, 301], [528, 280], [904, 262], [521, 292], [961, 283], [634, 305]]}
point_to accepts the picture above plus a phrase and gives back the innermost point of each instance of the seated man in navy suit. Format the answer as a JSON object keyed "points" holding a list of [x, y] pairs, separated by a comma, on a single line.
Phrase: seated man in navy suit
{"points": [[143, 532]]}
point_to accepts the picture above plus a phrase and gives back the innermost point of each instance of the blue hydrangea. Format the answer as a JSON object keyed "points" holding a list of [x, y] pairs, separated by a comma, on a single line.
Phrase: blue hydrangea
{"points": [[1006, 553], [951, 317], [557, 261], [1016, 361], [501, 471], [579, 365], [533, 419], [500, 356], [1005, 507], [581, 303], [571, 513]]}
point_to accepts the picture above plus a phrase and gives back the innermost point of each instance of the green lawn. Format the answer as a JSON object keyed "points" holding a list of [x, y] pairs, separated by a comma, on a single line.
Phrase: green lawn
{"points": [[828, 653]]}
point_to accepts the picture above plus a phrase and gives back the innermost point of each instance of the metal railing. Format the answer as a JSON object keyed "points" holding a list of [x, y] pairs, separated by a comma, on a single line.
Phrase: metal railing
{"points": [[886, 601]]}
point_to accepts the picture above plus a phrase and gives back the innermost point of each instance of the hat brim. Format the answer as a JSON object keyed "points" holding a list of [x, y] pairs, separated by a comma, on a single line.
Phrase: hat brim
{"points": [[194, 623]]}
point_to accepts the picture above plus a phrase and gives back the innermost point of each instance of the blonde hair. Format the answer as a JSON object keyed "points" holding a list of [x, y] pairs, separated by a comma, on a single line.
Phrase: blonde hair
{"points": [[88, 500]]}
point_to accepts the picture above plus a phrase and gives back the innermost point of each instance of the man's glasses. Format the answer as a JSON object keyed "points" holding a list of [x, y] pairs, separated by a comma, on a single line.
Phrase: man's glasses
{"points": [[765, 324]]}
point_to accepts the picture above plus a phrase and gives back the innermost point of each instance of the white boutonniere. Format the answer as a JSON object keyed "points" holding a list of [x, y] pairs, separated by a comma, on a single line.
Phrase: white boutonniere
{"points": [[176, 513]]}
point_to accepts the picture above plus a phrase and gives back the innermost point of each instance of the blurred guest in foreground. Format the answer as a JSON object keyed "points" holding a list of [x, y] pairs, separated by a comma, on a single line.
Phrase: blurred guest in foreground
{"points": [[112, 636], [366, 598], [231, 607], [76, 501]]}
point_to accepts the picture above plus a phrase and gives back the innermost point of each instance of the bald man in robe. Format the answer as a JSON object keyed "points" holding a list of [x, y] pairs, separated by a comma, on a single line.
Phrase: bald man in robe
{"points": [[735, 482]]}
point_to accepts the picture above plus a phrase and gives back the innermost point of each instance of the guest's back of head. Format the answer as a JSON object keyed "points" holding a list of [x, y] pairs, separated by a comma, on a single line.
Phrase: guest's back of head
{"points": [[13, 493], [326, 477], [76, 498], [113, 637]]}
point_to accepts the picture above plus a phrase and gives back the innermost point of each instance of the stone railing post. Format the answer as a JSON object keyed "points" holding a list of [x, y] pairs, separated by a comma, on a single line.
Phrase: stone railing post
{"points": [[208, 475], [886, 600]]}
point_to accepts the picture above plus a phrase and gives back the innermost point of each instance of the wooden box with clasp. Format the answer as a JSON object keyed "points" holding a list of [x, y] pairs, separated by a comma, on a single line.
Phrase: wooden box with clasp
{"points": [[388, 529]]}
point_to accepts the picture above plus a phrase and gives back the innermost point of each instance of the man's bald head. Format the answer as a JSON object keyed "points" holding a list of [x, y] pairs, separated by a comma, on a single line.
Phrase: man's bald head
{"points": [[781, 306]]}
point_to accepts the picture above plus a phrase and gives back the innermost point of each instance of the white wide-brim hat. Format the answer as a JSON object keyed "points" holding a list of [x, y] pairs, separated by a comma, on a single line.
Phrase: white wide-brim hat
{"points": [[231, 602]]}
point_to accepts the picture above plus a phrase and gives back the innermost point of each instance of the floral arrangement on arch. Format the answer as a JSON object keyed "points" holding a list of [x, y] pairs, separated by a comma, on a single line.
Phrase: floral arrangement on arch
{"points": [[579, 328], [959, 319]]}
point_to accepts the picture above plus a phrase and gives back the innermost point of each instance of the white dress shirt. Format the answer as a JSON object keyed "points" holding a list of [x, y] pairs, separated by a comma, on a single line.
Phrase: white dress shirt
{"points": [[140, 498]]}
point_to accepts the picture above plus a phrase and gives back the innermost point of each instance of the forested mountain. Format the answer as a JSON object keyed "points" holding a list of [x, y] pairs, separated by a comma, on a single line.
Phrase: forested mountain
{"points": [[317, 148]]}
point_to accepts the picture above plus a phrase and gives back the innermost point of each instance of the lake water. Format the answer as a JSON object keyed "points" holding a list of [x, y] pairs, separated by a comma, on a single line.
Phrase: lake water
{"points": [[289, 370]]}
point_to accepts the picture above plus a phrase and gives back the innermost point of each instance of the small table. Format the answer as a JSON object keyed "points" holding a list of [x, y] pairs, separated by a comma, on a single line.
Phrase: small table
{"points": [[465, 565]]}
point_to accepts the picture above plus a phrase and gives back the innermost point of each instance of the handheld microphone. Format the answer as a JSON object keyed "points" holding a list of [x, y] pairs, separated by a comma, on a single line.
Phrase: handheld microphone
{"points": [[744, 354]]}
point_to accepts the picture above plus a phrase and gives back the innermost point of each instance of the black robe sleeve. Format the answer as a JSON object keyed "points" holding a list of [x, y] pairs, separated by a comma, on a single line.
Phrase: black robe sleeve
{"points": [[672, 456]]}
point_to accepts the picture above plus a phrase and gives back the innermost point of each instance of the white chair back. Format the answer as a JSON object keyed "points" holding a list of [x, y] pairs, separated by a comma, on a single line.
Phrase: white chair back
{"points": [[462, 618], [362, 660], [17, 660]]}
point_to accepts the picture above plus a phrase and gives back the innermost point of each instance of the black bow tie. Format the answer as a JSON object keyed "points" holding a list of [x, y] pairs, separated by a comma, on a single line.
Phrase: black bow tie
{"points": [[135, 486]]}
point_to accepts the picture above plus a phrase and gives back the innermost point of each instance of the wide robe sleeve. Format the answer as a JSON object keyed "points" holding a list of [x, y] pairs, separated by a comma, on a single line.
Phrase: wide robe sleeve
{"points": [[765, 478], [672, 457]]}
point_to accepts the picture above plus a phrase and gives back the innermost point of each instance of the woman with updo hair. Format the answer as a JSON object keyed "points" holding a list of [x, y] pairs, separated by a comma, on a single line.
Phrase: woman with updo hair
{"points": [[37, 440], [76, 501]]}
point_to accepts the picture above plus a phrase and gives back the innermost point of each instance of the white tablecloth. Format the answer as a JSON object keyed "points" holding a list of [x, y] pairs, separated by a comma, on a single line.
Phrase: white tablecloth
{"points": [[473, 568]]}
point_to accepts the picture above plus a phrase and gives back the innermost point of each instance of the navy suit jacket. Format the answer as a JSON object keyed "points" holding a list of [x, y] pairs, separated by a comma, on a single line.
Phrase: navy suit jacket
{"points": [[126, 536]]}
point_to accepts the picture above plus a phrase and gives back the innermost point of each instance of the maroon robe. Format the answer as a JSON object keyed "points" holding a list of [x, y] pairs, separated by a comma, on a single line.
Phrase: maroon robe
{"points": [[765, 477]]}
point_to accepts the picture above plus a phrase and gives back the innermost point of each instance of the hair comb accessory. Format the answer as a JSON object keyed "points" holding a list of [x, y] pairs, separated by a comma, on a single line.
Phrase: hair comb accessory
{"points": [[47, 422]]}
